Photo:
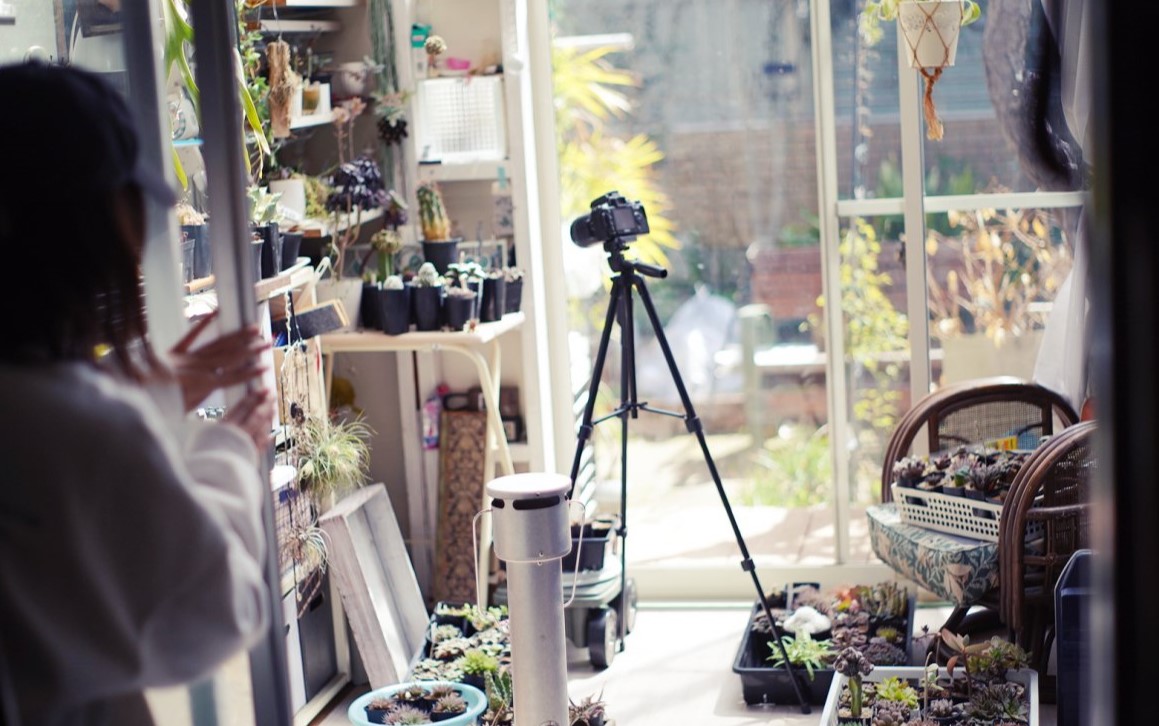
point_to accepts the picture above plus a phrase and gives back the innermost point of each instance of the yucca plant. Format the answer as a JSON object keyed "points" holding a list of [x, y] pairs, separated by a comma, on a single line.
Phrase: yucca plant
{"points": [[436, 225]]}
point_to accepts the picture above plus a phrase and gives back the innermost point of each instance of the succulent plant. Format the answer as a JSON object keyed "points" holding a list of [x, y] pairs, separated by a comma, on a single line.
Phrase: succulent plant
{"points": [[852, 664], [412, 694], [848, 638], [998, 657], [896, 690], [998, 701], [476, 662], [428, 276], [886, 599], [853, 621], [427, 669], [589, 710], [889, 634], [802, 651], [393, 282], [443, 689], [808, 620], [452, 703], [445, 632], [406, 715], [761, 624], [451, 648], [433, 218], [500, 693], [381, 704], [941, 708], [890, 714], [909, 469], [885, 654]]}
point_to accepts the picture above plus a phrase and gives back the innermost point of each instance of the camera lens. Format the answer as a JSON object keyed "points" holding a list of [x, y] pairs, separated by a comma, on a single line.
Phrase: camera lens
{"points": [[581, 232]]}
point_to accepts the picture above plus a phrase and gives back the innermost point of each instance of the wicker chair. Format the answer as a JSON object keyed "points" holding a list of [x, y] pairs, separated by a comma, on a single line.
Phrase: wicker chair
{"points": [[971, 412], [1051, 491]]}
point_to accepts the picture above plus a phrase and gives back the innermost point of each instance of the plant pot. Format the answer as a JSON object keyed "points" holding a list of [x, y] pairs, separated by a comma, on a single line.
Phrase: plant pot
{"points": [[271, 261], [257, 246], [954, 491], [976, 494], [348, 291], [188, 247], [458, 310], [426, 306], [394, 313], [441, 253], [293, 193], [855, 721], [930, 31], [475, 697], [202, 255], [291, 246], [514, 302], [368, 307], [494, 300]]}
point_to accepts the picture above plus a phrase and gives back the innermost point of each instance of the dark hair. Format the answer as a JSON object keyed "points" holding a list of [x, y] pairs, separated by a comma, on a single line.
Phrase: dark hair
{"points": [[59, 228]]}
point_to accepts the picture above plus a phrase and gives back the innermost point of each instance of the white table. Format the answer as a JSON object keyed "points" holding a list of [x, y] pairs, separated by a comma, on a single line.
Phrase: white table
{"points": [[481, 347]]}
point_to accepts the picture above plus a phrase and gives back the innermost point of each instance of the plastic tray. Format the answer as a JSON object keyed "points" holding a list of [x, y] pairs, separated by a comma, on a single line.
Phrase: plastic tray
{"points": [[1028, 677], [764, 684], [965, 517]]}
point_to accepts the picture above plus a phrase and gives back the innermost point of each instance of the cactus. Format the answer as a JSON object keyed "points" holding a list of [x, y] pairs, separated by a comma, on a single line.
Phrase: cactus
{"points": [[436, 225], [428, 276], [451, 703]]}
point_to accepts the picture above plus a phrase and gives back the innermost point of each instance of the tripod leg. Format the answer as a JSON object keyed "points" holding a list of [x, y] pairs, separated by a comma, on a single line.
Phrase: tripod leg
{"points": [[585, 429], [627, 412], [693, 424]]}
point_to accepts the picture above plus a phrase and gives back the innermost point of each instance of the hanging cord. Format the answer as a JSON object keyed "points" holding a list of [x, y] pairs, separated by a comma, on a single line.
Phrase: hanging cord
{"points": [[934, 127]]}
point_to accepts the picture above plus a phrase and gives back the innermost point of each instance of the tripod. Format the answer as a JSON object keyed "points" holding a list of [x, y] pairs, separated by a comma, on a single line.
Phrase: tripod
{"points": [[628, 275]]}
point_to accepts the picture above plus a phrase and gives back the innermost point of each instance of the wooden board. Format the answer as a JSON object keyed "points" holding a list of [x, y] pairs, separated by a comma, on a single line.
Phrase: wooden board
{"points": [[380, 593]]}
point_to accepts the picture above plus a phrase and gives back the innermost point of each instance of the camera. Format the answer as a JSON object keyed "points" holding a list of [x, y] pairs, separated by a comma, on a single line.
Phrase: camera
{"points": [[612, 217]]}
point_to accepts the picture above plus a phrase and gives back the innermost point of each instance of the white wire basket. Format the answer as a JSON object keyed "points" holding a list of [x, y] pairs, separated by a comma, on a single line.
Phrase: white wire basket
{"points": [[461, 120], [954, 515]]}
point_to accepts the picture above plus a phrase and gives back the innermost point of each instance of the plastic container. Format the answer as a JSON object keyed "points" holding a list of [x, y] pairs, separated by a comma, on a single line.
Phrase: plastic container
{"points": [[954, 515], [476, 702]]}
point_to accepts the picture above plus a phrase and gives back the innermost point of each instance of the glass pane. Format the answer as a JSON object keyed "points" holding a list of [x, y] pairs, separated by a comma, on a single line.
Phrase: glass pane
{"points": [[865, 90], [717, 114], [993, 275], [877, 354]]}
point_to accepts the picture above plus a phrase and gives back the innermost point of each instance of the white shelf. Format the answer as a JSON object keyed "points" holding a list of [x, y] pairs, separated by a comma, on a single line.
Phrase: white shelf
{"points": [[299, 26], [472, 171], [313, 119], [325, 228], [312, 3]]}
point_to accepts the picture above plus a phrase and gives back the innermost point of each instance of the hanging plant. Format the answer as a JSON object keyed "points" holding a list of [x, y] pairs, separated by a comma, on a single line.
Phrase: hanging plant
{"points": [[929, 29]]}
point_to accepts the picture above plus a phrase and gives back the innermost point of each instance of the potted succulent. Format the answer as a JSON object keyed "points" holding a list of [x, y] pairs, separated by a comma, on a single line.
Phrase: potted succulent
{"points": [[514, 277], [930, 31], [195, 239], [394, 306], [475, 664], [453, 704], [590, 711], [427, 297], [492, 304], [852, 664], [439, 248], [264, 218]]}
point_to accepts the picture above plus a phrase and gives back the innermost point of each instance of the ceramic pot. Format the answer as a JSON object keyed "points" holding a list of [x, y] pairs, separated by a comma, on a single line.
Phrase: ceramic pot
{"points": [[930, 31]]}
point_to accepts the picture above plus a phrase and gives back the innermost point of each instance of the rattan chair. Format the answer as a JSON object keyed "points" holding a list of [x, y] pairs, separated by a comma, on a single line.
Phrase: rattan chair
{"points": [[971, 412], [1051, 491]]}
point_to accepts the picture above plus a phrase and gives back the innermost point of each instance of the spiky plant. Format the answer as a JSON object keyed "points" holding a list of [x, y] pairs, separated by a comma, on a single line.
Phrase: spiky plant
{"points": [[449, 704], [406, 715], [500, 692], [428, 276], [436, 224], [589, 710], [909, 470], [333, 456], [441, 690]]}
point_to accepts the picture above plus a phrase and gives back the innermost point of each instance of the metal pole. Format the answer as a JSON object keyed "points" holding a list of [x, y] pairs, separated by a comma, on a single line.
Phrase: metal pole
{"points": [[532, 536], [215, 34]]}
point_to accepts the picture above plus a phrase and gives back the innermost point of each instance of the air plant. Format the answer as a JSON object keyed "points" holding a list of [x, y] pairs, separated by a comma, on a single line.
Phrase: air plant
{"points": [[802, 651]]}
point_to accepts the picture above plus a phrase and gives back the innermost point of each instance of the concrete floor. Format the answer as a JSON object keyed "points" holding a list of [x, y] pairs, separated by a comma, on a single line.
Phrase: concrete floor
{"points": [[676, 670]]}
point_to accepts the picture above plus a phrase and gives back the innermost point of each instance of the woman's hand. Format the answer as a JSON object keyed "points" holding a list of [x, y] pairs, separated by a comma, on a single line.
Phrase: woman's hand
{"points": [[229, 360]]}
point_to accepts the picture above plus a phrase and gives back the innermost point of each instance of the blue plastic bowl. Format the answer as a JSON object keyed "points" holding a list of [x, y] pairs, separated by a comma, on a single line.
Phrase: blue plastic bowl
{"points": [[476, 702]]}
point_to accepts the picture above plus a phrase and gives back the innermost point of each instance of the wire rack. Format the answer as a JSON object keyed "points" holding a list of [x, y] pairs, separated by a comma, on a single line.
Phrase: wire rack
{"points": [[461, 120]]}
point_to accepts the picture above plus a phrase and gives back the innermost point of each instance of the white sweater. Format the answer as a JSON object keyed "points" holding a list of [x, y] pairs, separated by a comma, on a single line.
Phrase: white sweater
{"points": [[130, 553]]}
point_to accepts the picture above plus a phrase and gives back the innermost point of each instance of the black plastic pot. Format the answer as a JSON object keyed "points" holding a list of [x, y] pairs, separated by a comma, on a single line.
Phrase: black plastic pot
{"points": [[426, 307], [256, 246], [494, 300], [188, 253], [458, 310], [291, 247], [591, 554], [441, 253], [394, 313], [514, 302], [271, 261], [202, 255], [368, 310]]}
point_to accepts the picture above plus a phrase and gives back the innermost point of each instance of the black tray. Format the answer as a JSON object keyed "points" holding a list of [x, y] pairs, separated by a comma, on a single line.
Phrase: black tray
{"points": [[763, 684]]}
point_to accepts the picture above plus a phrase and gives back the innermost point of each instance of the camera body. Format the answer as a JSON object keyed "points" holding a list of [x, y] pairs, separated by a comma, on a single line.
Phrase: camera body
{"points": [[612, 217]]}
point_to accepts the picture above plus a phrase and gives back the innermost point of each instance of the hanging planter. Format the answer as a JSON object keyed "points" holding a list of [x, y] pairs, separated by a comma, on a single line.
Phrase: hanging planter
{"points": [[929, 33]]}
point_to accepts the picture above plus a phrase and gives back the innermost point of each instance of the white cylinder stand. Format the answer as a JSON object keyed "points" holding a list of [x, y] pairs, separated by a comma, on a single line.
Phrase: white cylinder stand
{"points": [[531, 534]]}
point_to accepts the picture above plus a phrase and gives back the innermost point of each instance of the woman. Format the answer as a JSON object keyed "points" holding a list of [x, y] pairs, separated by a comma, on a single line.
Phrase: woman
{"points": [[131, 540]]}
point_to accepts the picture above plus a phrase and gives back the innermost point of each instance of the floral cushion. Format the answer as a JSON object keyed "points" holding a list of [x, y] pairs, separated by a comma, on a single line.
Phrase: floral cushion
{"points": [[958, 569]]}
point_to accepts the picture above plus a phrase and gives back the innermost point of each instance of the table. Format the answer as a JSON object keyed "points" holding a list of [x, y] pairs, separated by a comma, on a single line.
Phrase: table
{"points": [[481, 347]]}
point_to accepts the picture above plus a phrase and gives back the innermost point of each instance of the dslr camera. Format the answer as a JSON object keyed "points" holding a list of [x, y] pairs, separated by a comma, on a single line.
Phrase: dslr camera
{"points": [[612, 217]]}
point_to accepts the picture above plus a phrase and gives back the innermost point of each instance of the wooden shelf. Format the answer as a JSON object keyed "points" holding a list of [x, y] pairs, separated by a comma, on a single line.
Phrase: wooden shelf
{"points": [[272, 25], [294, 277], [313, 119]]}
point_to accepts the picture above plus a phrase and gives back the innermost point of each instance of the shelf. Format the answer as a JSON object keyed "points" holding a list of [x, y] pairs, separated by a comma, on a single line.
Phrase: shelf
{"points": [[294, 277], [313, 119], [472, 171], [370, 341], [325, 228], [311, 3], [298, 26]]}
